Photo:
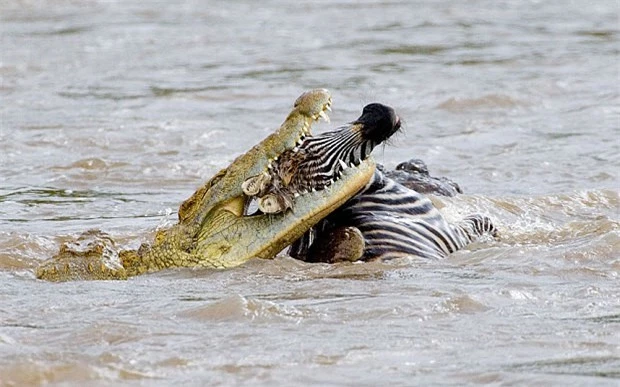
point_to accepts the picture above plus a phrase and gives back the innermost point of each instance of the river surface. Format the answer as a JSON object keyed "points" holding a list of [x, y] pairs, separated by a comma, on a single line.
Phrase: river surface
{"points": [[114, 112]]}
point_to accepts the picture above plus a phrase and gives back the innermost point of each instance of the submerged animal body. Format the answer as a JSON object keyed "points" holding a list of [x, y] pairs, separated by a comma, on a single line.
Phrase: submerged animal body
{"points": [[385, 220], [393, 222]]}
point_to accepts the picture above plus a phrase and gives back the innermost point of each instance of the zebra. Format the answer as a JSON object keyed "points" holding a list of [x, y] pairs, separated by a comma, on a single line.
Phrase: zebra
{"points": [[393, 221], [385, 220], [318, 161]]}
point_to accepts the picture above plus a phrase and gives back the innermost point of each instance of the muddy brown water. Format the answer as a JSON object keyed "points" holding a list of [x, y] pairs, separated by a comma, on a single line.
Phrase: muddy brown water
{"points": [[113, 112]]}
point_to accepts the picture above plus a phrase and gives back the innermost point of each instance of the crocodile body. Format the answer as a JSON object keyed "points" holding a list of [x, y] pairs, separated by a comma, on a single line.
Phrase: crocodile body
{"points": [[213, 229]]}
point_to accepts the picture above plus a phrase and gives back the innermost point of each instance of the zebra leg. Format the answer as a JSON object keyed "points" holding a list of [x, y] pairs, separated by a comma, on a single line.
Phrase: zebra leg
{"points": [[475, 226]]}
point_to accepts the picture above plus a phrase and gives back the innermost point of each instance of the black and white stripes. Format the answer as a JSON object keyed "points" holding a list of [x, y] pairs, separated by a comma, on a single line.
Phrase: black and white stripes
{"points": [[328, 154], [318, 161], [394, 221], [398, 222]]}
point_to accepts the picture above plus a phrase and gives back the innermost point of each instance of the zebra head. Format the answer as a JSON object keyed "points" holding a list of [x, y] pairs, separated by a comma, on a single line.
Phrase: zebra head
{"points": [[318, 161]]}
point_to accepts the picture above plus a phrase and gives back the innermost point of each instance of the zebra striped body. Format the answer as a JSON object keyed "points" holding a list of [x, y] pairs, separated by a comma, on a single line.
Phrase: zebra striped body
{"points": [[385, 220], [395, 222]]}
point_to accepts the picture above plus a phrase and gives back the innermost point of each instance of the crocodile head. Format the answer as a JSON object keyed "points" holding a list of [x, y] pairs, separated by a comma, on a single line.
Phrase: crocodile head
{"points": [[224, 190], [313, 175], [318, 161], [215, 228]]}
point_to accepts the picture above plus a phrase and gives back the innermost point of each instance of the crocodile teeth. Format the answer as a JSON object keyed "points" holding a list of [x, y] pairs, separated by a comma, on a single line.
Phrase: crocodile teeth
{"points": [[269, 205], [328, 107], [296, 149], [296, 194], [343, 164], [324, 116]]}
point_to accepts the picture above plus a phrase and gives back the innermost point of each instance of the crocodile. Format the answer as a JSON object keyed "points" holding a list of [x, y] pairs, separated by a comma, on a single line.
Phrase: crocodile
{"points": [[215, 228]]}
